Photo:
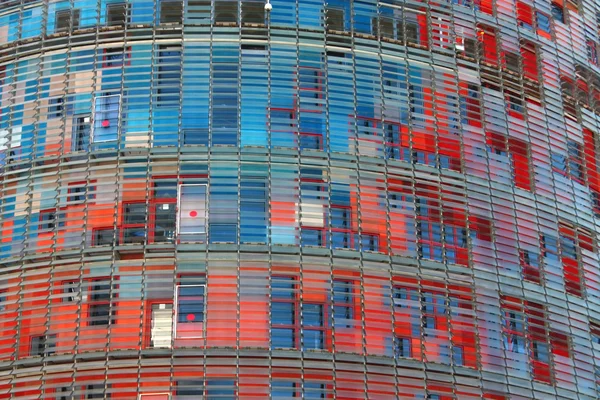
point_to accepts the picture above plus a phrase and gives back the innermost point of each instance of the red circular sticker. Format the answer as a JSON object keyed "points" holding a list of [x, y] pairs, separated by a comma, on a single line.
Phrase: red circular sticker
{"points": [[193, 213], [190, 317]]}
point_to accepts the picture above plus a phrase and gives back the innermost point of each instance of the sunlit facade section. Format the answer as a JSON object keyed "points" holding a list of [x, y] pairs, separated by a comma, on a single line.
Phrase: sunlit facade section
{"points": [[350, 199]]}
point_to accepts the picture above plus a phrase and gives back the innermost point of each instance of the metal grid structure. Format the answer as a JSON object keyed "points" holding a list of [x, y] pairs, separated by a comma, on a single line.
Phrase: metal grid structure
{"points": [[342, 199]]}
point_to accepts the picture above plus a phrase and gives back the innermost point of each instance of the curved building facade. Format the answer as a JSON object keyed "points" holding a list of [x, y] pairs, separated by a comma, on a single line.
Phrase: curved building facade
{"points": [[334, 200]]}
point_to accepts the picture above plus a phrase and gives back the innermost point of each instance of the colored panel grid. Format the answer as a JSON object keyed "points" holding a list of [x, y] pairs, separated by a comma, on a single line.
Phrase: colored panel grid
{"points": [[344, 199]]}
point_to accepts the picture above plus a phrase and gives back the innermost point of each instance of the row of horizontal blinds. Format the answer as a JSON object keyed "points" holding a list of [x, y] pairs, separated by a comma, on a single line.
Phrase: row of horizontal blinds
{"points": [[387, 138]]}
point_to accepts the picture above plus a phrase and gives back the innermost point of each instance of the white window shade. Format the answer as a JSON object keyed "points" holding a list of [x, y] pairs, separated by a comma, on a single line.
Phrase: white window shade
{"points": [[192, 213], [161, 325], [106, 118]]}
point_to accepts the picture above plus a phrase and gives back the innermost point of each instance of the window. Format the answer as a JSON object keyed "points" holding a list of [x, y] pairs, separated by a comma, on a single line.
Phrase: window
{"points": [[541, 352], [220, 389], [116, 14], [225, 100], [543, 24], [226, 11], [253, 12], [43, 345], [313, 320], [432, 306], [393, 144], [489, 46], [530, 266], [287, 328], [192, 218], [470, 47], [286, 390], [430, 235], [281, 390], [549, 246], [558, 12], [253, 211], [408, 29], [559, 163], [592, 51], [401, 295], [314, 390], [595, 332], [99, 299], [343, 309], [383, 27], [402, 347], [189, 309], [195, 136], [169, 75], [340, 218], [63, 393], [114, 57], [514, 104], [161, 323], [189, 389], [171, 11], [525, 15], [97, 391], [369, 242], [67, 20], [335, 19], [103, 236], [70, 291], [575, 160], [134, 222], [47, 220], [81, 133], [530, 61], [79, 192], [106, 118], [511, 62], [458, 355], [514, 331], [572, 242], [56, 107], [470, 104], [283, 312], [526, 332], [3, 300]]}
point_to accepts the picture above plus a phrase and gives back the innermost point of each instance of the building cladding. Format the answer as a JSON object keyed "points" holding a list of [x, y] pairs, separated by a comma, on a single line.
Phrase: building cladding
{"points": [[343, 199]]}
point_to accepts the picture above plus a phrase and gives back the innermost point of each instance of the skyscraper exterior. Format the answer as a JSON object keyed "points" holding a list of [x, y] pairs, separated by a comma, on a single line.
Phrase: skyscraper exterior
{"points": [[331, 200]]}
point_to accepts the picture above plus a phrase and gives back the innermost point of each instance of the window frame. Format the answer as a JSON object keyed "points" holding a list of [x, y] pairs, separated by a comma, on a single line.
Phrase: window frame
{"points": [[595, 331], [530, 272], [94, 321], [47, 226], [297, 327], [110, 21], [72, 288], [88, 194], [80, 140], [176, 307], [96, 231], [95, 114], [56, 107], [73, 18], [47, 343], [165, 97], [125, 60], [348, 305], [180, 186], [164, 18]]}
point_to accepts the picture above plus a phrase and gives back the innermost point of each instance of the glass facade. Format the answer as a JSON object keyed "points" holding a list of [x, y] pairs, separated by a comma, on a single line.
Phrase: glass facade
{"points": [[344, 199]]}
